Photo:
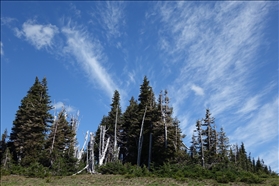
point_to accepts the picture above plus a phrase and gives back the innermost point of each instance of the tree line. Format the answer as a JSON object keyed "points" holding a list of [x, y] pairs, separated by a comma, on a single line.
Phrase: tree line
{"points": [[145, 135]]}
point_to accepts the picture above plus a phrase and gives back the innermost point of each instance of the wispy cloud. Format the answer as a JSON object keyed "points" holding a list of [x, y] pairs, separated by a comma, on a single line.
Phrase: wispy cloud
{"points": [[7, 20], [60, 105], [89, 56], [76, 11], [2, 52], [112, 18], [216, 46], [38, 35], [263, 127], [251, 104], [198, 90], [214, 43], [270, 157]]}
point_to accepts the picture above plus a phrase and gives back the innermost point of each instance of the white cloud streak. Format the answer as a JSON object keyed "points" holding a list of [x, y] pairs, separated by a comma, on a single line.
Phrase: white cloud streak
{"points": [[7, 20], [112, 18], [2, 52], [261, 128], [38, 35], [76, 11], [88, 56], [214, 43]]}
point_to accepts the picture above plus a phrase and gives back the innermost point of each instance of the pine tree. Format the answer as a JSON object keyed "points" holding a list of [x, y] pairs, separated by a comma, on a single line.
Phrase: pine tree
{"points": [[198, 148], [60, 145], [167, 133], [114, 125], [242, 157], [130, 133], [3, 144], [30, 127], [6, 157], [223, 144], [210, 138], [146, 102]]}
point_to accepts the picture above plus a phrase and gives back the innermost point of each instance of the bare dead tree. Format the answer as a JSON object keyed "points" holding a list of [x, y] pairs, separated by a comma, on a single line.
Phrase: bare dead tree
{"points": [[102, 147], [90, 150], [141, 138], [82, 150], [115, 149]]}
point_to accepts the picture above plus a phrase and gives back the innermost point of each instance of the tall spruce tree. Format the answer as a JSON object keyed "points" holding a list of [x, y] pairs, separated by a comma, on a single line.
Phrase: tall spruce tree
{"points": [[223, 144], [210, 138], [167, 141], [130, 132], [31, 124], [3, 144], [146, 102], [114, 125]]}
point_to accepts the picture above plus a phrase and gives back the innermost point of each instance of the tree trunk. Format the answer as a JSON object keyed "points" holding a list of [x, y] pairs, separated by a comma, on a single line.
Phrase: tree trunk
{"points": [[141, 138], [91, 167], [81, 151], [102, 148], [115, 150]]}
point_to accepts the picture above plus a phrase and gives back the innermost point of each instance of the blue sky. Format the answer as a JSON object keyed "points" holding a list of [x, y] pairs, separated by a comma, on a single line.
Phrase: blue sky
{"points": [[217, 55]]}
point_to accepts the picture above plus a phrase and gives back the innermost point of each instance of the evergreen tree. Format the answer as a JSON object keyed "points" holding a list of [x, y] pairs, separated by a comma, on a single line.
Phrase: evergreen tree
{"points": [[210, 138], [167, 143], [114, 126], [30, 127], [3, 144], [258, 165], [198, 154], [6, 157], [61, 145], [146, 100], [242, 157], [223, 144], [130, 133]]}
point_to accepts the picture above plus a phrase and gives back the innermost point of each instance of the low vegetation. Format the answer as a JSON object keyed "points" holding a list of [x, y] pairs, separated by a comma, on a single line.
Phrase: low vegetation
{"points": [[99, 180]]}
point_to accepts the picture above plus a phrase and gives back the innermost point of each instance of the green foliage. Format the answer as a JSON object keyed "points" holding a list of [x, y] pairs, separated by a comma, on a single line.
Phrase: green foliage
{"points": [[33, 151], [31, 124]]}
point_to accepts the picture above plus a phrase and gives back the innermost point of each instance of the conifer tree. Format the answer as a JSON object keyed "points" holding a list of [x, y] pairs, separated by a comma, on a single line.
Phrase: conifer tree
{"points": [[114, 125], [223, 144], [3, 144], [130, 132], [210, 137], [146, 100], [61, 145], [31, 124]]}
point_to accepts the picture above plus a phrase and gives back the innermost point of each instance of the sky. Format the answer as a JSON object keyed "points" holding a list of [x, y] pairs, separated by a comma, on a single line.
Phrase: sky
{"points": [[217, 55]]}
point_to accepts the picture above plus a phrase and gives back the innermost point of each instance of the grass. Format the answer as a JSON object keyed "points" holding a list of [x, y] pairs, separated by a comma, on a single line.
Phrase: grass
{"points": [[87, 179]]}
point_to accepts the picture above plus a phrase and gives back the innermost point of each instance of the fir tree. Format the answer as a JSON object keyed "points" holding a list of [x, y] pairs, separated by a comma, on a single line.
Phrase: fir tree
{"points": [[223, 144], [30, 127], [61, 145], [3, 144], [130, 133], [210, 138], [146, 101]]}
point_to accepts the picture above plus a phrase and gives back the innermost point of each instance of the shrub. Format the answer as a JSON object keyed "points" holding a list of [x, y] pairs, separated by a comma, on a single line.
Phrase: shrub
{"points": [[36, 170]]}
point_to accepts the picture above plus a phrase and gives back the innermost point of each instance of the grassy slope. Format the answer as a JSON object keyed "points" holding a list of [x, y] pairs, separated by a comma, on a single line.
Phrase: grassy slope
{"points": [[112, 180]]}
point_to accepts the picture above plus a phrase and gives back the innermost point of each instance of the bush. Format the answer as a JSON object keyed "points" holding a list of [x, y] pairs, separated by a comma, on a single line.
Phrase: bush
{"points": [[112, 168], [248, 177], [36, 170]]}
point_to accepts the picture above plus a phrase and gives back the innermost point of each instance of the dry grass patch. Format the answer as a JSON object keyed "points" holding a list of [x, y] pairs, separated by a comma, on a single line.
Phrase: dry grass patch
{"points": [[100, 180]]}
